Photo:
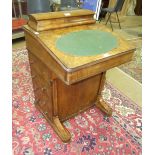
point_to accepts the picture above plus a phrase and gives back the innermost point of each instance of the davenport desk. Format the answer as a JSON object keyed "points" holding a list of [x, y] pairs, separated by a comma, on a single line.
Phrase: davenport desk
{"points": [[69, 54]]}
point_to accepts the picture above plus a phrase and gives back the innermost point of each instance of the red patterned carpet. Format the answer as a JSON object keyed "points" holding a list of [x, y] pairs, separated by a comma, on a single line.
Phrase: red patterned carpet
{"points": [[92, 132]]}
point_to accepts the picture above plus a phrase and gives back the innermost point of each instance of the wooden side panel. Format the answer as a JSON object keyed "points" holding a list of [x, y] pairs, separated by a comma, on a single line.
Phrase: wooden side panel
{"points": [[77, 97], [42, 54], [41, 77], [45, 90]]}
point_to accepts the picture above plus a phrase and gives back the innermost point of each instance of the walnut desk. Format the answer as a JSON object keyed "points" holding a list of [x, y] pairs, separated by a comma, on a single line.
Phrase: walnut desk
{"points": [[69, 54]]}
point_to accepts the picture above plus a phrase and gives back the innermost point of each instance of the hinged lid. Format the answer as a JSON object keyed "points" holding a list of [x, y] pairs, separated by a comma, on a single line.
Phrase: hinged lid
{"points": [[54, 20]]}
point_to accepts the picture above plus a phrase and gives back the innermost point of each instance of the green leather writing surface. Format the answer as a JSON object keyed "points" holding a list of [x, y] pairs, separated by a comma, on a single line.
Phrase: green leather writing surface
{"points": [[86, 43]]}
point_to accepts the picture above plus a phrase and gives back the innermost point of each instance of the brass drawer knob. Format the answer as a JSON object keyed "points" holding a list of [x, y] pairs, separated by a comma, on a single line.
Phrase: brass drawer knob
{"points": [[36, 101], [45, 112], [43, 88], [34, 76], [36, 89], [31, 62]]}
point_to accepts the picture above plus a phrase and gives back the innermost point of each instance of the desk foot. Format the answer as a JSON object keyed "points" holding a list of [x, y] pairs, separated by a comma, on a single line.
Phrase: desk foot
{"points": [[59, 128], [103, 106]]}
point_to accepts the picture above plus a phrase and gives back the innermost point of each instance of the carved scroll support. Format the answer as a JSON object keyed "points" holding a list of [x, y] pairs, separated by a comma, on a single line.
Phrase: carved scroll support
{"points": [[59, 128], [102, 105]]}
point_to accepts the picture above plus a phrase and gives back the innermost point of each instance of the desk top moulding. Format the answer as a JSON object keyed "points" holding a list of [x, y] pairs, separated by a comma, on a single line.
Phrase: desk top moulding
{"points": [[67, 75], [55, 20]]}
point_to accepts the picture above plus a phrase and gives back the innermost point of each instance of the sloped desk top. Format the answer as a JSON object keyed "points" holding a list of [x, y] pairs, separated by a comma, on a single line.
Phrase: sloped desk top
{"points": [[86, 43], [49, 38]]}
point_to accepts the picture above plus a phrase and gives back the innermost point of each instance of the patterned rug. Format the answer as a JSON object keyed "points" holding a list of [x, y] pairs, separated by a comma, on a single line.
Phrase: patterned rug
{"points": [[92, 132], [134, 67]]}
